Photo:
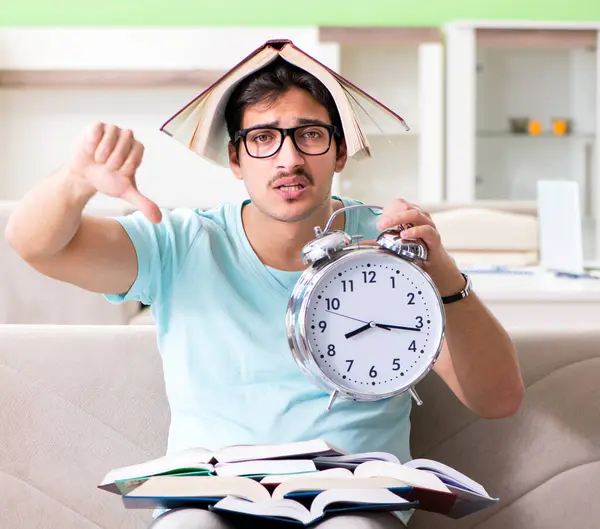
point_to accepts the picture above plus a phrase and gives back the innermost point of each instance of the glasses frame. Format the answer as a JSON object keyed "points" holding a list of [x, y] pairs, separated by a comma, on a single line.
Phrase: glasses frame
{"points": [[284, 133]]}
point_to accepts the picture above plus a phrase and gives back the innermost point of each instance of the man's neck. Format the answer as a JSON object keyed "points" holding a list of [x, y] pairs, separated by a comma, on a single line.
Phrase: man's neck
{"points": [[279, 244]]}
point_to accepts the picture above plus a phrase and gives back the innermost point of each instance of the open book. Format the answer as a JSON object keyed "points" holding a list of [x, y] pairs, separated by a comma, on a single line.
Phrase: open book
{"points": [[422, 489], [325, 503], [202, 461], [201, 127]]}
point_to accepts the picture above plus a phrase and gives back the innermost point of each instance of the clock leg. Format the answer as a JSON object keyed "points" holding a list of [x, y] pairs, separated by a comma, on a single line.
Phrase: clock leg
{"points": [[418, 400], [331, 400]]}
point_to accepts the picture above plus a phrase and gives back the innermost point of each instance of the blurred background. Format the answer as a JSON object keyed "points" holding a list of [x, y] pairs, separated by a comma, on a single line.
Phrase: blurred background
{"points": [[501, 98]]}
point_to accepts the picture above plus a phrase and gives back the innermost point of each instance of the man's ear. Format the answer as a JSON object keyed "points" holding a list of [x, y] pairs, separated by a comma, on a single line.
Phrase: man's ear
{"points": [[234, 161], [342, 157]]}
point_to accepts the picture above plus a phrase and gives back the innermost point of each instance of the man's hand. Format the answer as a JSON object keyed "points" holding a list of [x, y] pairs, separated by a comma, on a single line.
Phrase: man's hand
{"points": [[106, 161], [439, 265]]}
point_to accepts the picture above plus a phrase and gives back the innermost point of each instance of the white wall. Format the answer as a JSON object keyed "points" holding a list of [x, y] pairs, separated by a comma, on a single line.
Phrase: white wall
{"points": [[40, 126]]}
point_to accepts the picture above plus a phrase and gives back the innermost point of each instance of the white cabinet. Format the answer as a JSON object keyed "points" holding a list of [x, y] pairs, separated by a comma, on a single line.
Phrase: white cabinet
{"points": [[511, 87], [404, 70]]}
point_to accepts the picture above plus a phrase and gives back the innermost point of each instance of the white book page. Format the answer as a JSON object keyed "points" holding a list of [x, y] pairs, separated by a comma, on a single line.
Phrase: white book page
{"points": [[357, 496], [277, 479], [441, 468], [191, 458], [280, 508], [411, 476], [265, 466], [274, 451]]}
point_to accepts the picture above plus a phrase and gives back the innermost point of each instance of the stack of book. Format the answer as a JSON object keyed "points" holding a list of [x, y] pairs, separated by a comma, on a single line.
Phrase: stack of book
{"points": [[300, 482]]}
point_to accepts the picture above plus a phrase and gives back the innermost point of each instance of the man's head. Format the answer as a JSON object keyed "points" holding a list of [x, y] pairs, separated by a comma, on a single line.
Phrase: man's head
{"points": [[287, 180]]}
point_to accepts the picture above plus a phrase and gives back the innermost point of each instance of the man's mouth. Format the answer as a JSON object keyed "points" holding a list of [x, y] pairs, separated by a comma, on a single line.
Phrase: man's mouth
{"points": [[294, 187]]}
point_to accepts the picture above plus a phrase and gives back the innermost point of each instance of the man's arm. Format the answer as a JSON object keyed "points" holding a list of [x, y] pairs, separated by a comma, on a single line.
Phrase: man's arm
{"points": [[478, 361], [48, 228]]}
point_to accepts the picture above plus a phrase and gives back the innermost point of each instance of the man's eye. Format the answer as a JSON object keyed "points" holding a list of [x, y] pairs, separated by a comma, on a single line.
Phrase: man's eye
{"points": [[312, 134], [262, 138]]}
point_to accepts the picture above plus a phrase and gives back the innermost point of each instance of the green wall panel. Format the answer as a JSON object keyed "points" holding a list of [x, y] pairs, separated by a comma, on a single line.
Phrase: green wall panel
{"points": [[292, 13]]}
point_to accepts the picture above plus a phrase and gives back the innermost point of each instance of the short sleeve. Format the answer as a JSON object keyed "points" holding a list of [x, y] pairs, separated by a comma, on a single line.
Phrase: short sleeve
{"points": [[161, 250]]}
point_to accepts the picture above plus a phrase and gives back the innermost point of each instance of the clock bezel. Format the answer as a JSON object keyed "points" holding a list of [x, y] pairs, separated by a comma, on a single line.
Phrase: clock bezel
{"points": [[297, 324]]}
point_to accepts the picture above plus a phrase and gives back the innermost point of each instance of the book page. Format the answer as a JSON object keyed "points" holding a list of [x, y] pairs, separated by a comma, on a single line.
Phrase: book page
{"points": [[306, 449], [440, 469], [265, 467], [200, 487], [273, 508], [366, 497], [193, 458], [277, 479], [311, 484], [350, 460], [411, 476]]}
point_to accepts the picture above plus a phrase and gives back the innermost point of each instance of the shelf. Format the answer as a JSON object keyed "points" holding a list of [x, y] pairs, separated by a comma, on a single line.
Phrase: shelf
{"points": [[117, 78], [542, 38], [379, 35], [545, 135]]}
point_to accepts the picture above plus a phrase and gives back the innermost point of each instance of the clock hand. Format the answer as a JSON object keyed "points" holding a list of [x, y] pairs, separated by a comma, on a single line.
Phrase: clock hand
{"points": [[364, 328], [344, 316], [359, 330], [388, 327]]}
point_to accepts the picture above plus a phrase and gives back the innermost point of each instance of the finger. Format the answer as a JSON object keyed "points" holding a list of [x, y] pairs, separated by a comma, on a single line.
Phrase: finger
{"points": [[150, 210], [425, 232], [121, 150], [409, 216], [107, 143], [133, 160], [92, 137], [391, 210]]}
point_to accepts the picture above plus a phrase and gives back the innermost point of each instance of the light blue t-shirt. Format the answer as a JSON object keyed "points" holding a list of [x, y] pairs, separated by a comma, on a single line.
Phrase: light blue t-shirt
{"points": [[220, 314]]}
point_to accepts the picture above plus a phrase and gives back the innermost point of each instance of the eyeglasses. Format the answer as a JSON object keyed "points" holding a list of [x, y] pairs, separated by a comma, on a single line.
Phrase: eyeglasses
{"points": [[263, 142]]}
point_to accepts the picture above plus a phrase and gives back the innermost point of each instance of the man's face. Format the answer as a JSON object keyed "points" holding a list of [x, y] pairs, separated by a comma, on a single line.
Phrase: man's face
{"points": [[290, 185]]}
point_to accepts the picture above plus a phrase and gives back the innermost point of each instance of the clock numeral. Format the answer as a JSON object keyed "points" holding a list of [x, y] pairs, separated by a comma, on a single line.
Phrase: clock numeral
{"points": [[322, 325], [372, 372], [369, 277], [411, 298], [419, 322], [331, 349], [350, 285], [332, 303], [393, 281], [412, 347], [396, 364], [350, 362]]}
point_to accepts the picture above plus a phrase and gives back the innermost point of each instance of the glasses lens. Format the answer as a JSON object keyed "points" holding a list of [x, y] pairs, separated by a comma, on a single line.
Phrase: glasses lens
{"points": [[312, 139], [263, 142]]}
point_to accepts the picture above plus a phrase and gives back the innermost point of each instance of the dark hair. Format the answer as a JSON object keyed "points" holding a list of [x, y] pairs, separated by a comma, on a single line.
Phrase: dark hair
{"points": [[268, 84]]}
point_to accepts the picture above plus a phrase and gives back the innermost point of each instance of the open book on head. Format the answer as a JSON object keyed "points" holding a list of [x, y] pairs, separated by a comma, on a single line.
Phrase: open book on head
{"points": [[259, 459], [201, 127]]}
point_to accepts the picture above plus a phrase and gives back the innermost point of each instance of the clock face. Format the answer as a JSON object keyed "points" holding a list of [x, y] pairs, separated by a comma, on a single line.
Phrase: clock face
{"points": [[374, 323]]}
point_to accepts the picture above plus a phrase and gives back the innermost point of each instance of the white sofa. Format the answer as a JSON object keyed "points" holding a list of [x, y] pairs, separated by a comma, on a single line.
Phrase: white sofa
{"points": [[76, 401], [28, 297]]}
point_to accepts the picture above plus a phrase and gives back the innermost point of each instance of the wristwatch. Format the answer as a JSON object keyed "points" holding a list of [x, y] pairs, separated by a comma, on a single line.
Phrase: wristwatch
{"points": [[459, 295]]}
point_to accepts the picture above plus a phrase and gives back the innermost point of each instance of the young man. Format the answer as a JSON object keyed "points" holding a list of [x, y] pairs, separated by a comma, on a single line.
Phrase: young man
{"points": [[219, 281]]}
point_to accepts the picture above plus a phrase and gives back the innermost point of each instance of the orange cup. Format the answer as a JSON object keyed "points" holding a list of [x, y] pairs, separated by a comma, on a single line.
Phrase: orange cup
{"points": [[534, 127], [560, 127]]}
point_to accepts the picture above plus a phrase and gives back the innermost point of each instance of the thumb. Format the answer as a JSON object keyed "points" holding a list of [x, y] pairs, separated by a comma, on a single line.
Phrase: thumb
{"points": [[150, 210]]}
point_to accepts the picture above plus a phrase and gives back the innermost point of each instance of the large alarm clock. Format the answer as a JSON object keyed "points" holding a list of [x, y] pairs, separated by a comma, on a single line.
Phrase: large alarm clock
{"points": [[365, 322]]}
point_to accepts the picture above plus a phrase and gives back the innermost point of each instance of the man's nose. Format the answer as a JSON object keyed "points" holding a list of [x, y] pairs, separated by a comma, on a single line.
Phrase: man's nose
{"points": [[288, 155]]}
